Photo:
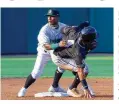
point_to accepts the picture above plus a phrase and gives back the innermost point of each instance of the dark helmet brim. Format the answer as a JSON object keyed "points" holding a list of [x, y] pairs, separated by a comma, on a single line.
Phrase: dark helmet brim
{"points": [[52, 15]]}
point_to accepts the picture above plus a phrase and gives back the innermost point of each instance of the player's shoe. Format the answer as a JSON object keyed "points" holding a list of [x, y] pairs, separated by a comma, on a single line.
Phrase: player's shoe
{"points": [[22, 92], [58, 89], [73, 92]]}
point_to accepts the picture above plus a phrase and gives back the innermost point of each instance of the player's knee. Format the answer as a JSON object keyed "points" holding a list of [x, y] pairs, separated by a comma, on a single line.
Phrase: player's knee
{"points": [[86, 69], [36, 75], [60, 70]]}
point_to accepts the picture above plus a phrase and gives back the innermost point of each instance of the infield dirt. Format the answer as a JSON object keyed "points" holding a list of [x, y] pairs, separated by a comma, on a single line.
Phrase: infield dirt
{"points": [[103, 88]]}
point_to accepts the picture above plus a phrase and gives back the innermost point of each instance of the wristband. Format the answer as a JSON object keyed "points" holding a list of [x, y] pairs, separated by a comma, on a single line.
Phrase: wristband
{"points": [[54, 46], [84, 84]]}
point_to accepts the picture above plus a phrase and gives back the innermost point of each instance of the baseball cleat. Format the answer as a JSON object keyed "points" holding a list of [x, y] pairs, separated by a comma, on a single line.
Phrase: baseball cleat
{"points": [[58, 89], [22, 92], [73, 92]]}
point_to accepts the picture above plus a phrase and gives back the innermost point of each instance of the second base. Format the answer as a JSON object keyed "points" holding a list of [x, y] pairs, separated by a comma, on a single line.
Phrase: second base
{"points": [[51, 94]]}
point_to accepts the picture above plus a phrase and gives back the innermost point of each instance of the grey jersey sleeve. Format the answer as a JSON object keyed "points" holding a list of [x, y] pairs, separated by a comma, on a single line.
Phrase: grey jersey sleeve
{"points": [[78, 57], [65, 30]]}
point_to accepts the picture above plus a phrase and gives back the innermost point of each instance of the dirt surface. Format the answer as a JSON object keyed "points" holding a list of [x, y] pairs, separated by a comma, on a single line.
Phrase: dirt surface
{"points": [[103, 88]]}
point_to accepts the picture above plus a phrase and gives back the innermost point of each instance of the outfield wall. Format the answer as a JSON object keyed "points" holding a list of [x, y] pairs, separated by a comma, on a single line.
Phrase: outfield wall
{"points": [[20, 27]]}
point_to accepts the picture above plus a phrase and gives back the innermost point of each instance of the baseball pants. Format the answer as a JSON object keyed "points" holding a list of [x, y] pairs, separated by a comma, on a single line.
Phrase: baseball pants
{"points": [[70, 62]]}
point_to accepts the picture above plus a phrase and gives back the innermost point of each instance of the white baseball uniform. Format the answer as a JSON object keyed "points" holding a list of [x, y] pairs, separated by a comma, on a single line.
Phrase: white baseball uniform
{"points": [[47, 34]]}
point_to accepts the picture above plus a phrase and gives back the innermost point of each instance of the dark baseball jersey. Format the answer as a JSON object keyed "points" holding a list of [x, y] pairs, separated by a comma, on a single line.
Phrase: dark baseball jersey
{"points": [[76, 51]]}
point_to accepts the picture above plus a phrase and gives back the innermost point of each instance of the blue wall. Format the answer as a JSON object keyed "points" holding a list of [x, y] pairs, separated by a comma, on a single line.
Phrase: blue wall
{"points": [[20, 27], [102, 20], [14, 31]]}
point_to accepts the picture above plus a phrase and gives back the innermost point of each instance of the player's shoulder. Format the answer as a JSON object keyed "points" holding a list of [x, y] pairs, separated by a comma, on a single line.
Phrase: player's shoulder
{"points": [[67, 29], [44, 27], [61, 24]]}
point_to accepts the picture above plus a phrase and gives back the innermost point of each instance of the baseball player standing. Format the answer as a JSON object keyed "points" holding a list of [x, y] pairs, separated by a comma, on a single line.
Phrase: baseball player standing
{"points": [[79, 43], [48, 39]]}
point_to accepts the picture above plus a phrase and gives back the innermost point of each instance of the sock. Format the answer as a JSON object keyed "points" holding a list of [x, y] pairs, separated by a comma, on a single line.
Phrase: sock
{"points": [[75, 82], [29, 81], [57, 77]]}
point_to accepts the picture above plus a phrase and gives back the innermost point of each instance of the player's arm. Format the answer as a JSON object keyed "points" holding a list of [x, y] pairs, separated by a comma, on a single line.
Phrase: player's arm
{"points": [[80, 70], [81, 75], [79, 62], [62, 43], [44, 41]]}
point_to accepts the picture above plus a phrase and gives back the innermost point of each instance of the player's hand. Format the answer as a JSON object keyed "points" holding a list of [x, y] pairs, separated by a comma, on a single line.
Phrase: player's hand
{"points": [[63, 43], [87, 93]]}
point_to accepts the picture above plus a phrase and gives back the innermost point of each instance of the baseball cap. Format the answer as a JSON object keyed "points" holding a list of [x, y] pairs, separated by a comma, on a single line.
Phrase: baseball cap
{"points": [[53, 12]]}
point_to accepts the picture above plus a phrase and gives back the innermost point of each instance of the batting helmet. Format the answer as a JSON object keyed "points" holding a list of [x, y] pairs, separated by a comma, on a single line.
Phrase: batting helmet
{"points": [[88, 34], [53, 12]]}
